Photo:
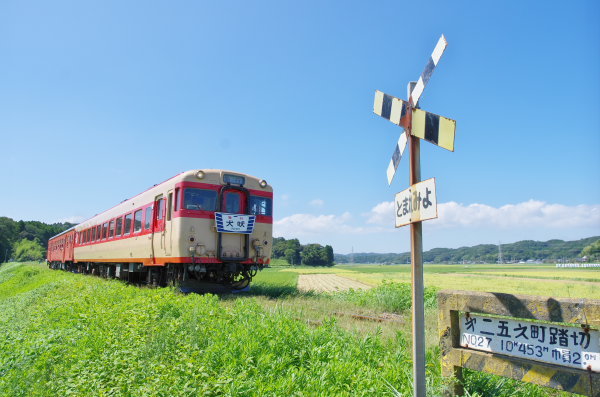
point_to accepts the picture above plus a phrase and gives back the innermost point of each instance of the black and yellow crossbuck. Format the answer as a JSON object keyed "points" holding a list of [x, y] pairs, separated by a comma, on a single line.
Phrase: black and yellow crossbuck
{"points": [[431, 127], [424, 125]]}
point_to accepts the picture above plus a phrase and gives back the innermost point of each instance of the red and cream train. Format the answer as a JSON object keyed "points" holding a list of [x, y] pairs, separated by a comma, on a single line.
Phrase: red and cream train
{"points": [[177, 231]]}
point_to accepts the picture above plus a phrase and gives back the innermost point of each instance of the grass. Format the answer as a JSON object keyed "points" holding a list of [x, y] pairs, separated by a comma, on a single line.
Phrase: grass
{"points": [[81, 335], [274, 283], [389, 296], [592, 276], [69, 334], [567, 283]]}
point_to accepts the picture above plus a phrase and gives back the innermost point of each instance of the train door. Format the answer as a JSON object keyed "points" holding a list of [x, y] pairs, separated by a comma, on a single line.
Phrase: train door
{"points": [[233, 246], [158, 227], [168, 235]]}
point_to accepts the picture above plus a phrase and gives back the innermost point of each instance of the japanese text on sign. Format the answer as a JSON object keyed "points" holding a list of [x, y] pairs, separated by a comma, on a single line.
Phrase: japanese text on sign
{"points": [[417, 203], [234, 223], [556, 344]]}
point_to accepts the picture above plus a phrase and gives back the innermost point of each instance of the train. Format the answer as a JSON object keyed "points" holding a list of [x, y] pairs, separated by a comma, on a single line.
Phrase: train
{"points": [[207, 225]]}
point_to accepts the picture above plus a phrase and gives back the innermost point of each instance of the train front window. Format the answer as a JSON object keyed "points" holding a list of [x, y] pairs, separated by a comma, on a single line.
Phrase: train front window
{"points": [[200, 199], [232, 202], [261, 206]]}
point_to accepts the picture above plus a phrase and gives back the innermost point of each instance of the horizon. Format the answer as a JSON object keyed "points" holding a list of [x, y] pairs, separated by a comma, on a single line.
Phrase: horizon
{"points": [[372, 252]]}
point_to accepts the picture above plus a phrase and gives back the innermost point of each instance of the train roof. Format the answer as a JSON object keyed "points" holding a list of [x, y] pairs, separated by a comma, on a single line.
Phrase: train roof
{"points": [[63, 232]]}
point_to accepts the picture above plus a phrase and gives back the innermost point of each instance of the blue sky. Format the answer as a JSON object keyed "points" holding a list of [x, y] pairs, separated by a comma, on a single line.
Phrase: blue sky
{"points": [[100, 100]]}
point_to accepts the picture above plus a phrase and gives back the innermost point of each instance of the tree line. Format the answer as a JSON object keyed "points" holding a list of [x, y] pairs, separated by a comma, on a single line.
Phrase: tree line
{"points": [[551, 251], [26, 240], [297, 254]]}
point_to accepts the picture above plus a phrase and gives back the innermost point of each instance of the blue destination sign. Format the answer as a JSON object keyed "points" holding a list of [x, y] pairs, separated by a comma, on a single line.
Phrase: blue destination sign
{"points": [[234, 223]]}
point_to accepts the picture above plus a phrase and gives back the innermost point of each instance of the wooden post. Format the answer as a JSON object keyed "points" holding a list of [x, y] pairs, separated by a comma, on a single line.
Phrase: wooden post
{"points": [[418, 288], [457, 372]]}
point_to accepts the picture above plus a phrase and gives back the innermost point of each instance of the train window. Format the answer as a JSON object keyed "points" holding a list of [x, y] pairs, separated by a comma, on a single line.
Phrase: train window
{"points": [[177, 198], [148, 220], [261, 206], [98, 232], [137, 224], [111, 229], [200, 199], [87, 236], [119, 226], [161, 209], [105, 231], [128, 219], [93, 234], [169, 206], [233, 202]]}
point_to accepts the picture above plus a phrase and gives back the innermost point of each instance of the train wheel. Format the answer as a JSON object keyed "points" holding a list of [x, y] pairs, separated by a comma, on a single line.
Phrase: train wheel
{"points": [[241, 281]]}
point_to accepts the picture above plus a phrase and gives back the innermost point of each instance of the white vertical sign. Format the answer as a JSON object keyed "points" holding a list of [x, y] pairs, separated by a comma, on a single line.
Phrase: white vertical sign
{"points": [[417, 203]]}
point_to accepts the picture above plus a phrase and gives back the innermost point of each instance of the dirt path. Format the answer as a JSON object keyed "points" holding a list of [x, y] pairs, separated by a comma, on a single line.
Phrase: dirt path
{"points": [[524, 278], [327, 283]]}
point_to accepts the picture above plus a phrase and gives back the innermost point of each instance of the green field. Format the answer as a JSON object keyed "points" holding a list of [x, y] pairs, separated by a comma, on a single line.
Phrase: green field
{"points": [[516, 279], [69, 334]]}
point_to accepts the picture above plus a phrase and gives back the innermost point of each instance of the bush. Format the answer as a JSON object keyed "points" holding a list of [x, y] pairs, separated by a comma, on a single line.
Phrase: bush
{"points": [[28, 250], [390, 296]]}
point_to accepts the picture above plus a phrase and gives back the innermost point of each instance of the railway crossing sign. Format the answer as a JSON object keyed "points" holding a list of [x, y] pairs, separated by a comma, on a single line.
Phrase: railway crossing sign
{"points": [[417, 203], [425, 125], [433, 128]]}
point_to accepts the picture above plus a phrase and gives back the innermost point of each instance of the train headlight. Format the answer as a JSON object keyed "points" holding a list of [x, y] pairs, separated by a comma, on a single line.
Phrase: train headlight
{"points": [[262, 183], [200, 174]]}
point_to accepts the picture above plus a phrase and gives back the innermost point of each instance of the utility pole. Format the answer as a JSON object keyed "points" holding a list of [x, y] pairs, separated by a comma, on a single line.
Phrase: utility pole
{"points": [[500, 259]]}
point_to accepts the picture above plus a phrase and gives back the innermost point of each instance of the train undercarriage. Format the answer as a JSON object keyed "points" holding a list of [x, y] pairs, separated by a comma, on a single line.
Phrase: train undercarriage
{"points": [[189, 276]]}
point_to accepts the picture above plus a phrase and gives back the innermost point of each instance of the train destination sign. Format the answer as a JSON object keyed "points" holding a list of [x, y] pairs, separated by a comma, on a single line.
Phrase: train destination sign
{"points": [[417, 203], [234, 223], [574, 347]]}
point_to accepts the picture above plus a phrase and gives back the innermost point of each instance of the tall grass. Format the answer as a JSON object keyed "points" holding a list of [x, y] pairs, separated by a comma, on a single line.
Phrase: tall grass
{"points": [[389, 296], [67, 334], [79, 335], [274, 283]]}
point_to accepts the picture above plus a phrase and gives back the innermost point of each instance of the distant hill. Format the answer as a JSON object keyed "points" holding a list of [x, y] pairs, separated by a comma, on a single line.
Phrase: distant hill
{"points": [[552, 250]]}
